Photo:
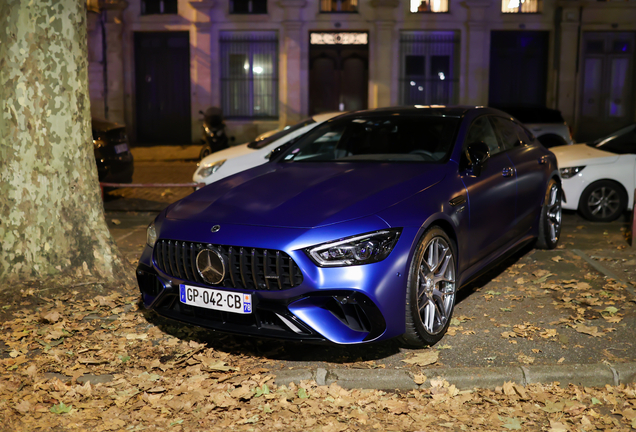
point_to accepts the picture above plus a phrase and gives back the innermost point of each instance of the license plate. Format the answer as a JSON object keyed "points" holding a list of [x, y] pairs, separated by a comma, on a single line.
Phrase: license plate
{"points": [[121, 148], [225, 301]]}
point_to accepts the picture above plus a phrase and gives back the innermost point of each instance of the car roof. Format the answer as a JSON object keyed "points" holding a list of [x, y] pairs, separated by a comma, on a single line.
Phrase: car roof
{"points": [[103, 125], [318, 118], [457, 111]]}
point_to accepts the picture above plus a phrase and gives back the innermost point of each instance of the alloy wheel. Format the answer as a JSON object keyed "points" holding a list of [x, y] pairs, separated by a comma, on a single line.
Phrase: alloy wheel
{"points": [[436, 285], [554, 212], [604, 202]]}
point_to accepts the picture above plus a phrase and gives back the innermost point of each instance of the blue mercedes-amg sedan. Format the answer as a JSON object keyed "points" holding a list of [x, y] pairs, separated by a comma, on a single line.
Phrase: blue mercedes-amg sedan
{"points": [[361, 230]]}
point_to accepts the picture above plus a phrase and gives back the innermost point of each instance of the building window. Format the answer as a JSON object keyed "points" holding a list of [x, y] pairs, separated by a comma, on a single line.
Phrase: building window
{"points": [[338, 5], [249, 74], [152, 7], [434, 6], [520, 6], [429, 65], [248, 6]]}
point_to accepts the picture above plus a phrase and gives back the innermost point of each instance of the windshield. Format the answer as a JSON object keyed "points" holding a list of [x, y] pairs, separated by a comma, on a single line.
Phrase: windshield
{"points": [[403, 138], [623, 141], [287, 130]]}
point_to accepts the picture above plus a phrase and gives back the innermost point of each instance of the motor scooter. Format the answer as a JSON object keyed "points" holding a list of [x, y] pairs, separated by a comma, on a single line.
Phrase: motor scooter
{"points": [[213, 135]]}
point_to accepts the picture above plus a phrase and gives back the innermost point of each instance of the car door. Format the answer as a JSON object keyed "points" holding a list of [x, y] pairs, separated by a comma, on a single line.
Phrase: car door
{"points": [[530, 161], [491, 195]]}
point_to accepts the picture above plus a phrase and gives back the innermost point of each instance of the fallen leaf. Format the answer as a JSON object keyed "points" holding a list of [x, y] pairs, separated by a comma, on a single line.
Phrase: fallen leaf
{"points": [[556, 426], [424, 358], [419, 379], [23, 407], [592, 331], [61, 408], [511, 423], [116, 222]]}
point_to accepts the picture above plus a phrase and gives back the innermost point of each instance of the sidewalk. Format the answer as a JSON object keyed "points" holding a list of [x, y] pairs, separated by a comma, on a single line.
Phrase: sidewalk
{"points": [[175, 152]]}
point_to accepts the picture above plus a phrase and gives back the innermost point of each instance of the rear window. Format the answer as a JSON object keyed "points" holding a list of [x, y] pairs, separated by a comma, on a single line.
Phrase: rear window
{"points": [[278, 135], [532, 115]]}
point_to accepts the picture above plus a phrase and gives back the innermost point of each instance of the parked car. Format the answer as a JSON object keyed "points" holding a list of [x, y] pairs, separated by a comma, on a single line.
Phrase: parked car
{"points": [[114, 161], [599, 177], [239, 158], [362, 229], [546, 124]]}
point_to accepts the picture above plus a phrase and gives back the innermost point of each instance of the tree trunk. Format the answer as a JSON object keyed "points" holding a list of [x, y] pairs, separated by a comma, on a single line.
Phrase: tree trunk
{"points": [[51, 214]]}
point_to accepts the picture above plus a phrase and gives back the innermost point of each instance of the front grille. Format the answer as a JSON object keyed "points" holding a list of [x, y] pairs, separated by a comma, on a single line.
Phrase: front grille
{"points": [[245, 268]]}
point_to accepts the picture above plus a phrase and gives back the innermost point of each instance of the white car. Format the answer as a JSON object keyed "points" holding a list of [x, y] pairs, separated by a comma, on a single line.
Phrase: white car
{"points": [[599, 177], [235, 159], [546, 124]]}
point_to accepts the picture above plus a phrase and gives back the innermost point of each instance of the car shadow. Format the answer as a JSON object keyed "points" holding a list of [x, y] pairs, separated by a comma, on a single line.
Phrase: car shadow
{"points": [[301, 352]]}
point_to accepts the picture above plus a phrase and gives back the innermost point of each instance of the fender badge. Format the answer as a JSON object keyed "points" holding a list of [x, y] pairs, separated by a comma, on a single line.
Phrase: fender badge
{"points": [[216, 228]]}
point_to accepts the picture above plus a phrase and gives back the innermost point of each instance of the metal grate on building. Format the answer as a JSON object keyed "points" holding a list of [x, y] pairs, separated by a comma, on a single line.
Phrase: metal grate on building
{"points": [[429, 67], [245, 267], [249, 74]]}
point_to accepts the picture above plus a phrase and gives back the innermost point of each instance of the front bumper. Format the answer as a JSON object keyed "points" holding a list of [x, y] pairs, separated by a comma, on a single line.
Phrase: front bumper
{"points": [[343, 305]]}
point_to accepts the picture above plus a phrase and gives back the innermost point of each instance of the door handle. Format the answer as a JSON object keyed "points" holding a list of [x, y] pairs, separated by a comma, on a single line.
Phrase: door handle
{"points": [[543, 160], [459, 199], [507, 172]]}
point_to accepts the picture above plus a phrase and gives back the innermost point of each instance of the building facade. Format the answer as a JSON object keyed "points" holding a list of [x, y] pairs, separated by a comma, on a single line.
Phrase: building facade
{"points": [[155, 64]]}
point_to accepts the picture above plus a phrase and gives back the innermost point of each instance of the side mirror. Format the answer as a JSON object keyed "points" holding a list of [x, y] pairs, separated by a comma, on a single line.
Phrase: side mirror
{"points": [[278, 151], [477, 155]]}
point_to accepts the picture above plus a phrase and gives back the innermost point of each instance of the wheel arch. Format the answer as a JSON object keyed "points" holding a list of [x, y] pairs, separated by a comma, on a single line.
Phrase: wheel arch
{"points": [[442, 221]]}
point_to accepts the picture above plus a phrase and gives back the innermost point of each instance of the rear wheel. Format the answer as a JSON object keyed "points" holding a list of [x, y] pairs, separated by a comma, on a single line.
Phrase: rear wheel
{"points": [[603, 201], [205, 151], [431, 289], [550, 219]]}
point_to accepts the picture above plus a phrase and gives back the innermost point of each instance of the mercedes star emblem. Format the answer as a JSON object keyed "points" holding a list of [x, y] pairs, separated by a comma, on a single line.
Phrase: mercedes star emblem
{"points": [[211, 266]]}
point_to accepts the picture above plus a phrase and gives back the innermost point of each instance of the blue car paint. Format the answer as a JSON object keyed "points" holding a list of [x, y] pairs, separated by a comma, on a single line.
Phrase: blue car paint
{"points": [[292, 206]]}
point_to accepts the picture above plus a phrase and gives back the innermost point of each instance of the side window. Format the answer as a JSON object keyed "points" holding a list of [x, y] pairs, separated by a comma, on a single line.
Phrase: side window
{"points": [[482, 130], [525, 136], [509, 133]]}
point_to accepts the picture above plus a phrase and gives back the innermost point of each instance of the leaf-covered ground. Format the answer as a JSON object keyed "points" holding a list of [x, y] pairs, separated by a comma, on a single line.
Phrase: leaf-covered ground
{"points": [[74, 361]]}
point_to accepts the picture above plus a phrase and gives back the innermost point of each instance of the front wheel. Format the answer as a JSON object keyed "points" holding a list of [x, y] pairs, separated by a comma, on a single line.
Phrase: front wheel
{"points": [[603, 201], [550, 219], [431, 289]]}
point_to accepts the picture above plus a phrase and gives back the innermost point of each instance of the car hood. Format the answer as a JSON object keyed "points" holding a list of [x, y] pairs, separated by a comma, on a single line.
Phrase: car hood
{"points": [[582, 154], [228, 153], [306, 195]]}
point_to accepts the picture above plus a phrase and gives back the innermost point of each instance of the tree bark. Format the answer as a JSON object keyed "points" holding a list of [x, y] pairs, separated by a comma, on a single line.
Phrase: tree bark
{"points": [[51, 214]]}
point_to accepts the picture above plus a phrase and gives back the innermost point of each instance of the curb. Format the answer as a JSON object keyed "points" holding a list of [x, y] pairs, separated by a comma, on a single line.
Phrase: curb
{"points": [[587, 375]]}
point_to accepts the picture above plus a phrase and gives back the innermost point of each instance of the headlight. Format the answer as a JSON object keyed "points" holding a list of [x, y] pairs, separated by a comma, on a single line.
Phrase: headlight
{"points": [[207, 170], [361, 249], [151, 235], [566, 173]]}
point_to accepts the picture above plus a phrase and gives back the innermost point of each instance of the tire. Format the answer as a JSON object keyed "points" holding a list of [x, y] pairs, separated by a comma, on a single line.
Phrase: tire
{"points": [[431, 289], [551, 140], [205, 151], [603, 201], [550, 221]]}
